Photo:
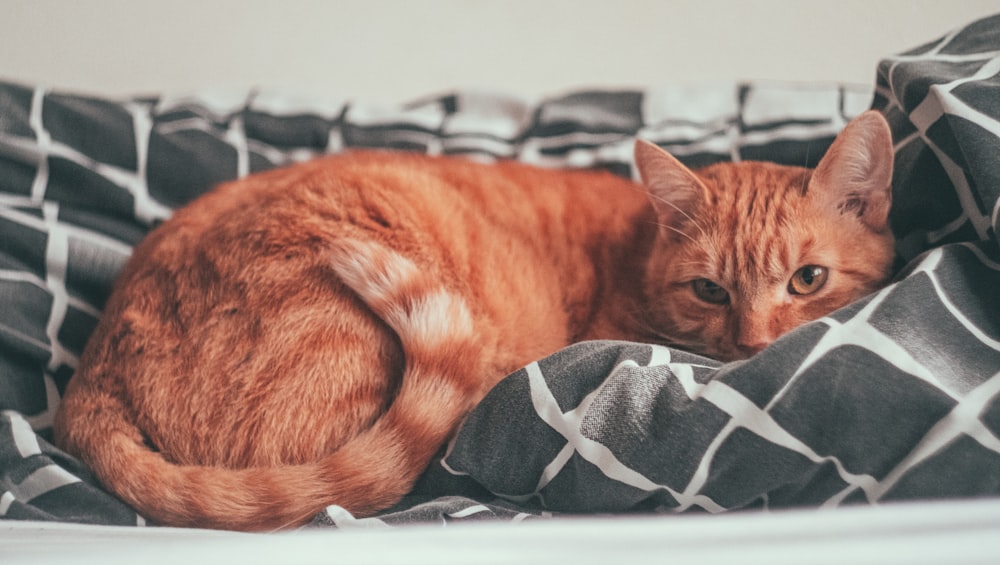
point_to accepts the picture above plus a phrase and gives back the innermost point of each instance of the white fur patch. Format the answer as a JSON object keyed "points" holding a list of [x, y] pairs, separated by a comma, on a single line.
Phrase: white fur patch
{"points": [[372, 271], [433, 319], [378, 275]]}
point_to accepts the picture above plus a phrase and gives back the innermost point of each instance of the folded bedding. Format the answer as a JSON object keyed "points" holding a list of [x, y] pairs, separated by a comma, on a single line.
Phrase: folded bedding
{"points": [[893, 398]]}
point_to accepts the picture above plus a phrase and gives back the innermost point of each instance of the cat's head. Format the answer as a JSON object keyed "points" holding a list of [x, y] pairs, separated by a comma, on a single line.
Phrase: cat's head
{"points": [[749, 251]]}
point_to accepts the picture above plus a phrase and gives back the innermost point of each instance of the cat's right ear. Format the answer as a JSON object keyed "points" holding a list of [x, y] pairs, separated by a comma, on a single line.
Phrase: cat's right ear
{"points": [[675, 191]]}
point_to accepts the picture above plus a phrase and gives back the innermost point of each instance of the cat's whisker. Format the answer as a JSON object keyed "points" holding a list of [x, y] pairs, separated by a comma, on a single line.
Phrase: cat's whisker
{"points": [[681, 212], [656, 334], [688, 217], [675, 230], [802, 189], [283, 526]]}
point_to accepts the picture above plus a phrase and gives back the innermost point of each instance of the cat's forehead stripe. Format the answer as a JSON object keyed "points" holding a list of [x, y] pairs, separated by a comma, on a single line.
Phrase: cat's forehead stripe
{"points": [[754, 210]]}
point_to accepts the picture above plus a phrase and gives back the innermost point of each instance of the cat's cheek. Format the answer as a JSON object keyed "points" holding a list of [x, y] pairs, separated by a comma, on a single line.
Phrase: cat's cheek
{"points": [[814, 308], [707, 326]]}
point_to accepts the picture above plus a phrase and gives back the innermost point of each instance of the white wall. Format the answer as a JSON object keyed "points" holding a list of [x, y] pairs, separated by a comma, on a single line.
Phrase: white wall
{"points": [[400, 49]]}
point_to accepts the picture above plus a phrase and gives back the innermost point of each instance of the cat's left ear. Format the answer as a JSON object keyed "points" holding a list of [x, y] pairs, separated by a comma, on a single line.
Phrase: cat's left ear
{"points": [[855, 175], [675, 191]]}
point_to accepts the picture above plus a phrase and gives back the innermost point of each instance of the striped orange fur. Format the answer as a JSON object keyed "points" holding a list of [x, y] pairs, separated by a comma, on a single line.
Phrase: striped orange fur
{"points": [[312, 336]]}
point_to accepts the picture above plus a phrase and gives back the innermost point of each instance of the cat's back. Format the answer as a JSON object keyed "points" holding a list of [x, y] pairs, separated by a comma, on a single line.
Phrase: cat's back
{"points": [[443, 200], [408, 175], [371, 179]]}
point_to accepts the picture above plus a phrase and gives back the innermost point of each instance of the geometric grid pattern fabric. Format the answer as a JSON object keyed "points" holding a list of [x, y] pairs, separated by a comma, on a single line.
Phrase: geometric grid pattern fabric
{"points": [[943, 102], [896, 397], [866, 405]]}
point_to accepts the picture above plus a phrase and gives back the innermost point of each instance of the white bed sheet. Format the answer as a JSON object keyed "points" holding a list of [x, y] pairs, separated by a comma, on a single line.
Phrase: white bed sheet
{"points": [[954, 532]]}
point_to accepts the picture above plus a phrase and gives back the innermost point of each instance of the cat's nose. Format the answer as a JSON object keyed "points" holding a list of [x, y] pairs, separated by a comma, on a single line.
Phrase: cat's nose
{"points": [[754, 332]]}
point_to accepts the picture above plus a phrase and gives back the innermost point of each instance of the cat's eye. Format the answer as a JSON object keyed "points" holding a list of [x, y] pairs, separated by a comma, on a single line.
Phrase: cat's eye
{"points": [[808, 280], [709, 291]]}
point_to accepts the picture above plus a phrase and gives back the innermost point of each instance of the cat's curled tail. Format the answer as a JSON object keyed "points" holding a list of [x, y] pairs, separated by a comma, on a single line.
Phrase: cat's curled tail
{"points": [[370, 472]]}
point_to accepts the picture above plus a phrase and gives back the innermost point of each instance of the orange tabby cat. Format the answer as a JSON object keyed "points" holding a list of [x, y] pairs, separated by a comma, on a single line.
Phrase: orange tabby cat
{"points": [[313, 335]]}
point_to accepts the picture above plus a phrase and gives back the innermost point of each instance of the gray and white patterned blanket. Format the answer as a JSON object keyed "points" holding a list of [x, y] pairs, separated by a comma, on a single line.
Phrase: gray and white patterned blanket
{"points": [[896, 397]]}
